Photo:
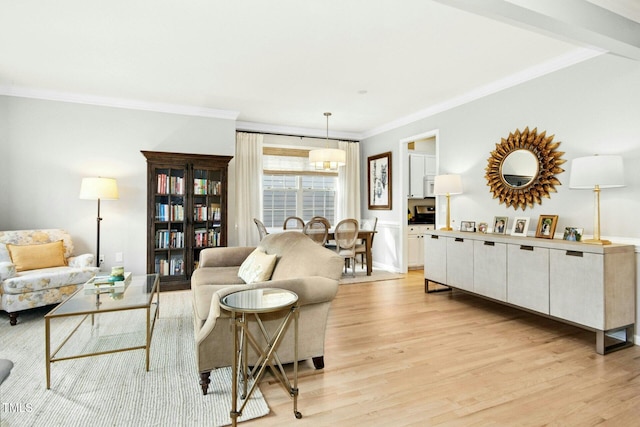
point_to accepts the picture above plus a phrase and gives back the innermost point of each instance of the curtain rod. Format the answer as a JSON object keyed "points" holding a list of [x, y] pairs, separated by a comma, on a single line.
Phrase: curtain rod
{"points": [[295, 136]]}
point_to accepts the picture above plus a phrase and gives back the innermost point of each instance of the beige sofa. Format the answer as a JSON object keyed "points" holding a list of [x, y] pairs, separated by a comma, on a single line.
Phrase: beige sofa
{"points": [[302, 266], [22, 288]]}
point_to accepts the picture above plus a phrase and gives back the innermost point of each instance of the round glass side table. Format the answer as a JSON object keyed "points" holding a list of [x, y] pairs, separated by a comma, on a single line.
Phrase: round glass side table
{"points": [[255, 302]]}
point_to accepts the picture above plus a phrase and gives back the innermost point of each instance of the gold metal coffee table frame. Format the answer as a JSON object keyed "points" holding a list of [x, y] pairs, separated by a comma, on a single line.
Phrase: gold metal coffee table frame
{"points": [[137, 295], [241, 304]]}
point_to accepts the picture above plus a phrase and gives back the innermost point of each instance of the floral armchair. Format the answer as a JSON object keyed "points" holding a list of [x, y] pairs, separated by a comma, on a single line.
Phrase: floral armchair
{"points": [[30, 278]]}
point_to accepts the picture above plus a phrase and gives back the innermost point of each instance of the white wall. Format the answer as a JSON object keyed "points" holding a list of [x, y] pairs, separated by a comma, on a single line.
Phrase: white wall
{"points": [[592, 107], [55, 144], [4, 155]]}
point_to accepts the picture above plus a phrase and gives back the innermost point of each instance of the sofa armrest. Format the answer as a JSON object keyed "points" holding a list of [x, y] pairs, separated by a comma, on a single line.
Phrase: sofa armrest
{"points": [[310, 290], [7, 270], [84, 260], [224, 256]]}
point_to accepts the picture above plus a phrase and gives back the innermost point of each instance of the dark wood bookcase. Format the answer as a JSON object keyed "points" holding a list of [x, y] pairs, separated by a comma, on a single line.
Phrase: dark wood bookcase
{"points": [[186, 212]]}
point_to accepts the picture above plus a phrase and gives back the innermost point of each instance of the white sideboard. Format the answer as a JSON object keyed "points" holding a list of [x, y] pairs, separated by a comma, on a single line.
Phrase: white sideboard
{"points": [[590, 286]]}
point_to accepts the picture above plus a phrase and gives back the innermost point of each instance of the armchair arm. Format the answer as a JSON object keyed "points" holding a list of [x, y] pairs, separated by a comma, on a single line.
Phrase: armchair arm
{"points": [[7, 270], [80, 261], [224, 256]]}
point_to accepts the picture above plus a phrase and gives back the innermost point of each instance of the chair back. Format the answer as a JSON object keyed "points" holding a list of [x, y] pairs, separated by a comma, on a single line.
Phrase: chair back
{"points": [[369, 224], [262, 230], [323, 219], [293, 223], [346, 234], [317, 230]]}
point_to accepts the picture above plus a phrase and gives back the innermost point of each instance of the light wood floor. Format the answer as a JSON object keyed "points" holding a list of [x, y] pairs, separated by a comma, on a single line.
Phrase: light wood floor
{"points": [[396, 356]]}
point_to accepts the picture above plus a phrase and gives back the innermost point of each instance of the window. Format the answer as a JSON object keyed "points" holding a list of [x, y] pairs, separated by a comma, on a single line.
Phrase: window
{"points": [[304, 196], [292, 188]]}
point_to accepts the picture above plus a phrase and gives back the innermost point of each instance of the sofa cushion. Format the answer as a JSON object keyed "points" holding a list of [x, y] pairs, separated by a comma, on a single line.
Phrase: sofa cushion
{"points": [[46, 278], [257, 267], [297, 258], [33, 257]]}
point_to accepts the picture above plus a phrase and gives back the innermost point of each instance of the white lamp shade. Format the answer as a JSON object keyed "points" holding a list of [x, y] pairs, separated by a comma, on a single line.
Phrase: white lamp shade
{"points": [[327, 158], [447, 184], [99, 188], [604, 171]]}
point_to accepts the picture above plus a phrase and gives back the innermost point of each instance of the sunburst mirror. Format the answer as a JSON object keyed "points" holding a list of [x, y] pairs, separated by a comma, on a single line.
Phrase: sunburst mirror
{"points": [[522, 168]]}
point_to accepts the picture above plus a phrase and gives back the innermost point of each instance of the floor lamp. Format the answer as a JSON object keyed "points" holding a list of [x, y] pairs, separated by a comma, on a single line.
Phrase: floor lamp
{"points": [[595, 173], [97, 189], [446, 185]]}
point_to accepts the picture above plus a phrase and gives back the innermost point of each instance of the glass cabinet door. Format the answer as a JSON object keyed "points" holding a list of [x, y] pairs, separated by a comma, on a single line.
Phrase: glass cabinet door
{"points": [[207, 210], [170, 222]]}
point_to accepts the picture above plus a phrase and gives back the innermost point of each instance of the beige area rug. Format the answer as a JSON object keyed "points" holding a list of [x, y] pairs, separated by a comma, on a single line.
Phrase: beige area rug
{"points": [[361, 276], [114, 389]]}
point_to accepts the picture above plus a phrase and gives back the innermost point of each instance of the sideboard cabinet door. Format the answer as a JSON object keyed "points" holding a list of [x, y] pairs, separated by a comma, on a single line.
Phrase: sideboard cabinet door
{"points": [[460, 263], [591, 289], [435, 258], [528, 277], [490, 269]]}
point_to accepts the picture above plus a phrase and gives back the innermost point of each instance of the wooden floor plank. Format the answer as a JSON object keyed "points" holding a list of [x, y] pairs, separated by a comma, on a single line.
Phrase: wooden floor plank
{"points": [[396, 356]]}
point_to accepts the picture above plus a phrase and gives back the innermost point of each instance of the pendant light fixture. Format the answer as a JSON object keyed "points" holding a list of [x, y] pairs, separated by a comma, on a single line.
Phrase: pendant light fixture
{"points": [[327, 158]]}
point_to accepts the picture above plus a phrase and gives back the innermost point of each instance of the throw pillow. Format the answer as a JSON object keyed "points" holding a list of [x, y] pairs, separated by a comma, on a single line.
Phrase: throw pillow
{"points": [[257, 267], [32, 257]]}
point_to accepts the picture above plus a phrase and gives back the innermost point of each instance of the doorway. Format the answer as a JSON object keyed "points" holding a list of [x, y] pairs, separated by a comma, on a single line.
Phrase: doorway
{"points": [[404, 150]]}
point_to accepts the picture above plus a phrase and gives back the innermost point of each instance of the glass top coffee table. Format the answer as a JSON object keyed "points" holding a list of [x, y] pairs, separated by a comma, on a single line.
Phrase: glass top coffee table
{"points": [[140, 293], [241, 304]]}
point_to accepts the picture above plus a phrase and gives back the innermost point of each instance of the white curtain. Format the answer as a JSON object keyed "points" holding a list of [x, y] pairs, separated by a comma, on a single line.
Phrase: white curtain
{"points": [[248, 186], [348, 203]]}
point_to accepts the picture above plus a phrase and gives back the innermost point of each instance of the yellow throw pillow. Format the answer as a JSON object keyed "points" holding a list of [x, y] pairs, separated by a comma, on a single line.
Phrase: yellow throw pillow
{"points": [[257, 267], [32, 257]]}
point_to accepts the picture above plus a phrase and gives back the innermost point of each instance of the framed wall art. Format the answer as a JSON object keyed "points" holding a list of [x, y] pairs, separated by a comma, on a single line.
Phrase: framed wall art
{"points": [[546, 226], [520, 226], [379, 181]]}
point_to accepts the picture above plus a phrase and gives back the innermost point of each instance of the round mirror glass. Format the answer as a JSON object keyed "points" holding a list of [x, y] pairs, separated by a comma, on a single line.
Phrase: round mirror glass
{"points": [[519, 168]]}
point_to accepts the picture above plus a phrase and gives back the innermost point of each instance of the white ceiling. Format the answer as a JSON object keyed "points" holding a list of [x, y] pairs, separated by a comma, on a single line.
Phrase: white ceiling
{"points": [[278, 65]]}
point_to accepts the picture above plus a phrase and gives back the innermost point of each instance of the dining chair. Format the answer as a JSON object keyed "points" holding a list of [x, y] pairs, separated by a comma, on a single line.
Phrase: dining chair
{"points": [[346, 234], [361, 247], [317, 230], [262, 230], [293, 223]]}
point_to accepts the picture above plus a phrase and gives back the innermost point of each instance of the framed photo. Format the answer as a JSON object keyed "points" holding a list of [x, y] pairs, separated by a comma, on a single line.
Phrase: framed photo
{"points": [[468, 226], [482, 227], [546, 226], [500, 224], [572, 234], [379, 181], [520, 226]]}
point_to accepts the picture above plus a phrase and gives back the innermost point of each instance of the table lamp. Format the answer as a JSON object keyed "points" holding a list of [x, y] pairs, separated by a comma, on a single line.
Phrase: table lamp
{"points": [[96, 189], [446, 185], [594, 173]]}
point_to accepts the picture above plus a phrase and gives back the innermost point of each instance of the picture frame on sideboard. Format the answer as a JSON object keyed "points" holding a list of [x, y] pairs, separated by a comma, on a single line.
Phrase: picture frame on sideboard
{"points": [[520, 226], [500, 224], [546, 226]]}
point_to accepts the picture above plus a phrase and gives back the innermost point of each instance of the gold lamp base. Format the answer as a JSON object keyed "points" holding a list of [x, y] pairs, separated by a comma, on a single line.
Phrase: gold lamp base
{"points": [[596, 242], [446, 229]]}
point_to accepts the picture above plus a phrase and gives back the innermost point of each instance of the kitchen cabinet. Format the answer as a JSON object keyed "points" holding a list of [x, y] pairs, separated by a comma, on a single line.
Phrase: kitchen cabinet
{"points": [[420, 166], [415, 238]]}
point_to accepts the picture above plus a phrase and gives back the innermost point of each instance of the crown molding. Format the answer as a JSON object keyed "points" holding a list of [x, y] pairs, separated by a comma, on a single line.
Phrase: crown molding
{"points": [[564, 61], [295, 131], [104, 101]]}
